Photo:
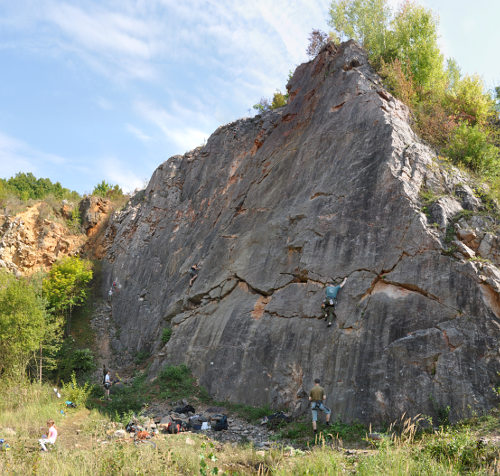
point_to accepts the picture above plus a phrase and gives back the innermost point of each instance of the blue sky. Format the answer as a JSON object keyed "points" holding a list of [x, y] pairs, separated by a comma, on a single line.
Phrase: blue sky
{"points": [[109, 89]]}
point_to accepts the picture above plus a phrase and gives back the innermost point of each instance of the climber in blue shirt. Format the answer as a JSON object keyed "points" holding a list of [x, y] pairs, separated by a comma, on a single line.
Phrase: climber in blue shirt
{"points": [[330, 301]]}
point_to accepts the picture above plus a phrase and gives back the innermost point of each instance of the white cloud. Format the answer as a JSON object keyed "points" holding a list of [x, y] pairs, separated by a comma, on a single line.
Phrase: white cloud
{"points": [[104, 104], [116, 44], [17, 156], [135, 131], [116, 172], [172, 126]]}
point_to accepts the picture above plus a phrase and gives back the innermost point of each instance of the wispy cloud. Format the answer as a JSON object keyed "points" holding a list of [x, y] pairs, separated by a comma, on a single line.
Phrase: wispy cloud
{"points": [[17, 156], [117, 172], [136, 132], [104, 104], [117, 44], [184, 137]]}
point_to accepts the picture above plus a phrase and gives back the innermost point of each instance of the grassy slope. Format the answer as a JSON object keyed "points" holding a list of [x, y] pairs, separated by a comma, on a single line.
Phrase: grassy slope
{"points": [[86, 447]]}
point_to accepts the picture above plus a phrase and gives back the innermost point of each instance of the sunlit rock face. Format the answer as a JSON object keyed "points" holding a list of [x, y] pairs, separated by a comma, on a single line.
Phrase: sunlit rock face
{"points": [[275, 207]]}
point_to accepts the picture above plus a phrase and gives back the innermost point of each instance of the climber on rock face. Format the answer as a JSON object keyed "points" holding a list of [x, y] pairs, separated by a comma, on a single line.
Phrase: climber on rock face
{"points": [[330, 301], [193, 272]]}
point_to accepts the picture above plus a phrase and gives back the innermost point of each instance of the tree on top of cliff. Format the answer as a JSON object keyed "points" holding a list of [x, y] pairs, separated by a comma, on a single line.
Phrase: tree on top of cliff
{"points": [[107, 190], [455, 114], [26, 186], [409, 36]]}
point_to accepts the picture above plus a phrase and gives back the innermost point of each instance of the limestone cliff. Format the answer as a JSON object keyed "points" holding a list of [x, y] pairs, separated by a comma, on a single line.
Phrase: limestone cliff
{"points": [[276, 206]]}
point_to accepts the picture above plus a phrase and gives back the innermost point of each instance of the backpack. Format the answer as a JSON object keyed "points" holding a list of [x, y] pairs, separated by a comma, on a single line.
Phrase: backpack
{"points": [[219, 422]]}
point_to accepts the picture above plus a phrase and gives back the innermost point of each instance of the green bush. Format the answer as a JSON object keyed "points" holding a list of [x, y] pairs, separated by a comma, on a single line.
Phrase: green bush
{"points": [[469, 146], [166, 334], [177, 382], [75, 393], [461, 448], [141, 357], [71, 360]]}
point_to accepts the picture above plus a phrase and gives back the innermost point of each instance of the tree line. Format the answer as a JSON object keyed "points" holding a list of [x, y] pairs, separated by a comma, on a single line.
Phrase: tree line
{"points": [[25, 186]]}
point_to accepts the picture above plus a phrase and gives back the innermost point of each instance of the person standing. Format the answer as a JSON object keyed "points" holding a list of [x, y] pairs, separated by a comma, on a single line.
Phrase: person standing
{"points": [[317, 398], [107, 384]]}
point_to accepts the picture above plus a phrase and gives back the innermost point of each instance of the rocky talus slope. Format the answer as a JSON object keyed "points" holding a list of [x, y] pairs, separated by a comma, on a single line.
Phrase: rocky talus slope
{"points": [[276, 206]]}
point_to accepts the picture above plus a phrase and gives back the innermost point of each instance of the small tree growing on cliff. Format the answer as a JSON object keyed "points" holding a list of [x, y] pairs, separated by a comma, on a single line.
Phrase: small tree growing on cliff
{"points": [[66, 285], [317, 39]]}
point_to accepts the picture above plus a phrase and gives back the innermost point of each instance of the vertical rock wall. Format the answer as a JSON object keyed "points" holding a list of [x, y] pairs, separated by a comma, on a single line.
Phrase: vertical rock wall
{"points": [[276, 206]]}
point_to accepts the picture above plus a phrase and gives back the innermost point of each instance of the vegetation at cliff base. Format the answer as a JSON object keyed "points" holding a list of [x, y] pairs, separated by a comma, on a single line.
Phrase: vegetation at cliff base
{"points": [[87, 444], [33, 313]]}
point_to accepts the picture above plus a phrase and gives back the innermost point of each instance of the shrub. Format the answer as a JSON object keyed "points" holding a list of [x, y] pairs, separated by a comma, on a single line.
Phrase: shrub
{"points": [[469, 146], [317, 39], [71, 360], [141, 357], [166, 334], [76, 393]]}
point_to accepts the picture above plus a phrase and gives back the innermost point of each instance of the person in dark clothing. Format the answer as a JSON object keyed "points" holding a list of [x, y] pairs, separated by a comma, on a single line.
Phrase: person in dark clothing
{"points": [[193, 272], [330, 301]]}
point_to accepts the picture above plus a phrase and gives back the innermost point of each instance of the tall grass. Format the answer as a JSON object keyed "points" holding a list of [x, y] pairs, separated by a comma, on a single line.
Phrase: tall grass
{"points": [[87, 446], [26, 407]]}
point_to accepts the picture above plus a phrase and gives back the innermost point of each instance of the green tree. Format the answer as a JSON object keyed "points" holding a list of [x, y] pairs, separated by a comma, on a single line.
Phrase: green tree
{"points": [[27, 187], [66, 285], [410, 36], [365, 21], [107, 190], [469, 101], [413, 40], [470, 146], [23, 324]]}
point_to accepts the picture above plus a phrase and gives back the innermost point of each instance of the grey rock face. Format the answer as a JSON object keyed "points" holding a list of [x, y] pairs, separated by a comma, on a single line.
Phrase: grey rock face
{"points": [[275, 207]]}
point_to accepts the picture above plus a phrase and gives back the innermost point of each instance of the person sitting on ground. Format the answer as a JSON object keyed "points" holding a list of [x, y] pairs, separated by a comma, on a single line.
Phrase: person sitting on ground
{"points": [[107, 384], [331, 300], [193, 272], [317, 398], [51, 439]]}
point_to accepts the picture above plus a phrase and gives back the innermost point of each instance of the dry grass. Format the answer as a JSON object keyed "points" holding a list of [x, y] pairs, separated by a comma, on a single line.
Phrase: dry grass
{"points": [[86, 446]]}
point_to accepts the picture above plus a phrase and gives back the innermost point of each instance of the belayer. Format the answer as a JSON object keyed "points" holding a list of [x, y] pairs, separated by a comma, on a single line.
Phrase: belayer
{"points": [[330, 301]]}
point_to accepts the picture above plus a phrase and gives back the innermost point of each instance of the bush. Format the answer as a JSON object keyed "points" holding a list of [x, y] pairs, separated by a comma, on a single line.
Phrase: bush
{"points": [[461, 448], [76, 393], [178, 382], [469, 146], [141, 357], [166, 334], [71, 360]]}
